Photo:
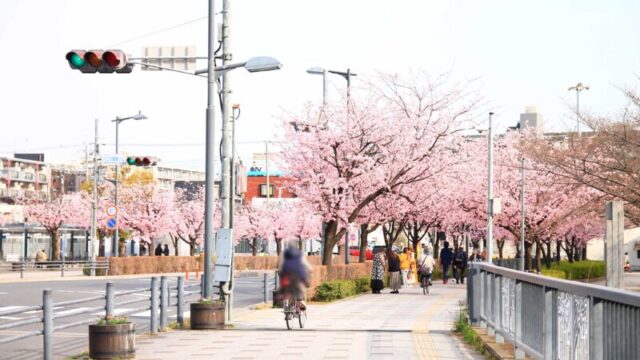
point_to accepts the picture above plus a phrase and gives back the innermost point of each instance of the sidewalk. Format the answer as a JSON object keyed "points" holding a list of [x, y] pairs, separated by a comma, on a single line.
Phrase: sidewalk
{"points": [[405, 326]]}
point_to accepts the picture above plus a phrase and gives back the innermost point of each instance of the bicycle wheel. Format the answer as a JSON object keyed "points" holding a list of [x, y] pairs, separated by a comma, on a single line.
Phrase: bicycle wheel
{"points": [[287, 312], [425, 285], [302, 318]]}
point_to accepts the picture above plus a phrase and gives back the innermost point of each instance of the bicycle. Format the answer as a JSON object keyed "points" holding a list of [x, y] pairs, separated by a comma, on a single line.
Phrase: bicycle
{"points": [[292, 310], [425, 283]]}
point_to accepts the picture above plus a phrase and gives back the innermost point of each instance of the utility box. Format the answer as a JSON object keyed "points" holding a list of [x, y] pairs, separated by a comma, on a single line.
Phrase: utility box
{"points": [[224, 255]]}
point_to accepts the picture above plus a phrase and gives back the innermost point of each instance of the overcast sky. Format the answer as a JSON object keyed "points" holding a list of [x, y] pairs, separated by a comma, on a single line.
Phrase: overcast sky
{"points": [[523, 52]]}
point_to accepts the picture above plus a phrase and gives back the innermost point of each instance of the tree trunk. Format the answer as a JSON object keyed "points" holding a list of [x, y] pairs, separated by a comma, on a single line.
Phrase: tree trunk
{"points": [[584, 252], [55, 246], [558, 250], [527, 255], [546, 255], [254, 247], [364, 242], [538, 253], [176, 247], [192, 248], [278, 246], [329, 241], [122, 247], [500, 247]]}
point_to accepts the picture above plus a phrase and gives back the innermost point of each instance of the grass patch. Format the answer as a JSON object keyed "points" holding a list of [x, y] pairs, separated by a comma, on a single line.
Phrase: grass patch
{"points": [[115, 320], [82, 356], [578, 270], [174, 325], [469, 336]]}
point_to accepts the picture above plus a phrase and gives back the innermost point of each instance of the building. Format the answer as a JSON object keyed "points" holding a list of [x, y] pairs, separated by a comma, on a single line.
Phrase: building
{"points": [[256, 185], [65, 180], [167, 177], [24, 179], [531, 119]]}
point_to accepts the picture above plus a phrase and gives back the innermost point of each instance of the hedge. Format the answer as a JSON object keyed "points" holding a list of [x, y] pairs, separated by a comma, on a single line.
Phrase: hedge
{"points": [[339, 289], [579, 270]]}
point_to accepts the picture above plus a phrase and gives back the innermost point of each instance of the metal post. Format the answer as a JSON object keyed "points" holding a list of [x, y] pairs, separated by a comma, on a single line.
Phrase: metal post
{"points": [[227, 117], [116, 233], [180, 304], [276, 277], [490, 194], [210, 189], [154, 305], [324, 87], [47, 320], [266, 168], [62, 265], [578, 111], [94, 204], [264, 285], [164, 303], [109, 304], [522, 222]]}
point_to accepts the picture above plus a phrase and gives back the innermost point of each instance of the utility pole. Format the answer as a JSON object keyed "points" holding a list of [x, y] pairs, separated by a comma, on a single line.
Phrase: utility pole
{"points": [[209, 208], [266, 168], [522, 221], [94, 205], [490, 194], [227, 117], [116, 233]]}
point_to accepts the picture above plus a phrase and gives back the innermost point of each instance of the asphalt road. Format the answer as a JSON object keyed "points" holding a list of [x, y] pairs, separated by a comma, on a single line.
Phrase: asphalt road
{"points": [[72, 341]]}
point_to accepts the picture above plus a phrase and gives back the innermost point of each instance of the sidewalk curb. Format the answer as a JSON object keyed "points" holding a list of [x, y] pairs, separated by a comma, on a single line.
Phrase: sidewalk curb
{"points": [[504, 351]]}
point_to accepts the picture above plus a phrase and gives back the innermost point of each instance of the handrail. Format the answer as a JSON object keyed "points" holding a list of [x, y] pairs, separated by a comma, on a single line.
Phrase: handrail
{"points": [[21, 310], [583, 289], [79, 301]]}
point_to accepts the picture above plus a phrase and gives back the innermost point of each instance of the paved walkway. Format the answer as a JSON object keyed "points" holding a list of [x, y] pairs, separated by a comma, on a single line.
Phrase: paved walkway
{"points": [[405, 326]]}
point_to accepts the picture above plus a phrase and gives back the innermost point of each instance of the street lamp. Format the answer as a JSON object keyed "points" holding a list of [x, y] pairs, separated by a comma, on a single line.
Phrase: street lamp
{"points": [[490, 200], [116, 234], [578, 88], [223, 267]]}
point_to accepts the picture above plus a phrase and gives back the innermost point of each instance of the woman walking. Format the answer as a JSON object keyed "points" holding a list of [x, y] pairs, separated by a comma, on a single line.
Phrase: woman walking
{"points": [[394, 271], [377, 273]]}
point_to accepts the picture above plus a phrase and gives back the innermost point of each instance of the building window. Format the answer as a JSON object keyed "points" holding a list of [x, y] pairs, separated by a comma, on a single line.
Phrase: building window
{"points": [[638, 254], [263, 190]]}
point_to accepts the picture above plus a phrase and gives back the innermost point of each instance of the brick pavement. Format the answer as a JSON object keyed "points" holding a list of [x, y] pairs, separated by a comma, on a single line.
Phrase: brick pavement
{"points": [[405, 326]]}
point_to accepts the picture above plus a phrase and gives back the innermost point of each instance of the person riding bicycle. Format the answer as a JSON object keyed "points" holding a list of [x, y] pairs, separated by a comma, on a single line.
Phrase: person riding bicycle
{"points": [[293, 275], [426, 264]]}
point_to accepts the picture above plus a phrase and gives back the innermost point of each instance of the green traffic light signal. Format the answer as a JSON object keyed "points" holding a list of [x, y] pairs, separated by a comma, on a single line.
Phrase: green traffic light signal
{"points": [[131, 160], [76, 60]]}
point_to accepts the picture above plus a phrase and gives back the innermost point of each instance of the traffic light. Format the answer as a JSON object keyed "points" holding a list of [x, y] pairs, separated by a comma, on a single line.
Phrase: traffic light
{"points": [[103, 61], [142, 161]]}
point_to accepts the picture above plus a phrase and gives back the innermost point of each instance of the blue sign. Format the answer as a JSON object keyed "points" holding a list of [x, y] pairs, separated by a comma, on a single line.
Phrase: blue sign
{"points": [[111, 223]]}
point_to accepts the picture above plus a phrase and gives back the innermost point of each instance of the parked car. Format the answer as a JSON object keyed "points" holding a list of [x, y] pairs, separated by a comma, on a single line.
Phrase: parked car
{"points": [[355, 251]]}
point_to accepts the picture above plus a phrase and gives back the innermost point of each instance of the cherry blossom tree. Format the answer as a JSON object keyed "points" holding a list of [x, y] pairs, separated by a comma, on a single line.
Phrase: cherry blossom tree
{"points": [[345, 156], [187, 219], [69, 210], [146, 209]]}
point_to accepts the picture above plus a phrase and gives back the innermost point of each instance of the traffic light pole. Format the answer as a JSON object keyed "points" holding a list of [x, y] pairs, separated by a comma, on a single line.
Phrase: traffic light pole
{"points": [[209, 208], [116, 233], [94, 205]]}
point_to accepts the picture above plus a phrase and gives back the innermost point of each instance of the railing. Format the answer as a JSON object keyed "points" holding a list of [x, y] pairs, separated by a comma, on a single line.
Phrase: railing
{"points": [[158, 303], [61, 266], [549, 318]]}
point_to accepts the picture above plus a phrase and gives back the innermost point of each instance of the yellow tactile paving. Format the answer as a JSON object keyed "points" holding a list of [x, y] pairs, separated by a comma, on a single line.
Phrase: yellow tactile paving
{"points": [[422, 342]]}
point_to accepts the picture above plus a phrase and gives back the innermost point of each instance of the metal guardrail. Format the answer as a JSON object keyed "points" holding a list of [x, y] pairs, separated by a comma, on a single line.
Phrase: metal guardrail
{"points": [[549, 318], [158, 303], [61, 265]]}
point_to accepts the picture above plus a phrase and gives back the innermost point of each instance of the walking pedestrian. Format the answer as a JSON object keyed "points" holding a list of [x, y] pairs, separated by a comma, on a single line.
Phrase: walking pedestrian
{"points": [[405, 266], [143, 250], [459, 265], [446, 259], [158, 251], [377, 272], [394, 271], [165, 252]]}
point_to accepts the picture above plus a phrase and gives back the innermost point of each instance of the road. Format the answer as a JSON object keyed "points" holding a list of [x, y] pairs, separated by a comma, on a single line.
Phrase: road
{"points": [[72, 341]]}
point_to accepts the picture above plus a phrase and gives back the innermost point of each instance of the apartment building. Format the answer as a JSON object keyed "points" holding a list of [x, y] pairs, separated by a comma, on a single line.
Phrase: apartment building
{"points": [[24, 179]]}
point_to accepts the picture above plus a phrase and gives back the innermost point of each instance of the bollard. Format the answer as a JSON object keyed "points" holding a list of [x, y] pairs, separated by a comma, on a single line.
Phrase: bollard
{"points": [[92, 272], [180, 304], [62, 267], [164, 303], [22, 270], [266, 278], [47, 320], [109, 304], [275, 282], [154, 305]]}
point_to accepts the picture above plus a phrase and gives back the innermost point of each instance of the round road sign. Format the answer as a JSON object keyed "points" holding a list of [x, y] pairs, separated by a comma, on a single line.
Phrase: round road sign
{"points": [[112, 210], [111, 223]]}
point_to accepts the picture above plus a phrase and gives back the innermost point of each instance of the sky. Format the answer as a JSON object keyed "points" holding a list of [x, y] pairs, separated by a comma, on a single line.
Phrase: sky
{"points": [[521, 53]]}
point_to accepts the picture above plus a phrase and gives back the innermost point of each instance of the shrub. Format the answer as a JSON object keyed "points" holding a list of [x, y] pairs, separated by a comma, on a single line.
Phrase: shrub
{"points": [[340, 289], [579, 270]]}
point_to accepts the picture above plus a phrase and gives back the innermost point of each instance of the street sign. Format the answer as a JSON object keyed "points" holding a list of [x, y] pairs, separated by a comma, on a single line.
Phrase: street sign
{"points": [[113, 159], [172, 57], [111, 223], [112, 210]]}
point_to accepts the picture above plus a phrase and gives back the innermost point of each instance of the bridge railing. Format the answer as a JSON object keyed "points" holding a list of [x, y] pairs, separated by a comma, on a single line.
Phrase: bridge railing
{"points": [[548, 318]]}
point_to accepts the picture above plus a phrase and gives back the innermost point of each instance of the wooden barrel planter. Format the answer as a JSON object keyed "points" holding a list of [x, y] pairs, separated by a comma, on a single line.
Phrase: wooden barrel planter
{"points": [[207, 316], [112, 341]]}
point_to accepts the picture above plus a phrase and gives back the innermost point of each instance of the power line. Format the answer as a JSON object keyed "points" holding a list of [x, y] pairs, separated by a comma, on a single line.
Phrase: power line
{"points": [[158, 31]]}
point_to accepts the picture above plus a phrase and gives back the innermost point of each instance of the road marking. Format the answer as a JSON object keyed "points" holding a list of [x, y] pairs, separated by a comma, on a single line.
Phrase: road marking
{"points": [[3, 293], [421, 339]]}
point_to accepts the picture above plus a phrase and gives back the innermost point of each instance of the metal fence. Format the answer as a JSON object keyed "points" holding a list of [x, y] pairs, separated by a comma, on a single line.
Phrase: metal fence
{"points": [[158, 303], [91, 267], [549, 318]]}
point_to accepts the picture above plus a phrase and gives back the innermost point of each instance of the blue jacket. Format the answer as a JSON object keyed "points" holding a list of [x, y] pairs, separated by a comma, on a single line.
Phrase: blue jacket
{"points": [[293, 266], [446, 256]]}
